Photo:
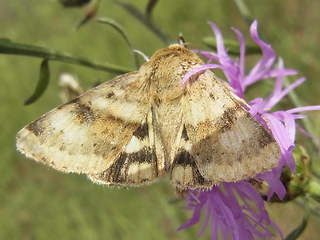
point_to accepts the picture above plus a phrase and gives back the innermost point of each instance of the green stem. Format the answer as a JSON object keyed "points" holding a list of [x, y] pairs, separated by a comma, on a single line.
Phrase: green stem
{"points": [[143, 18], [122, 32], [150, 7], [9, 47]]}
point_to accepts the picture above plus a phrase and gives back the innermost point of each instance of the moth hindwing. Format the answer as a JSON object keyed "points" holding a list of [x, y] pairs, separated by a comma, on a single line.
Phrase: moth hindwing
{"points": [[141, 125]]}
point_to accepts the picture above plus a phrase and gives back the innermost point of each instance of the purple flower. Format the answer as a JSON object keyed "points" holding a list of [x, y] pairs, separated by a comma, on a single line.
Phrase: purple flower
{"points": [[229, 216]]}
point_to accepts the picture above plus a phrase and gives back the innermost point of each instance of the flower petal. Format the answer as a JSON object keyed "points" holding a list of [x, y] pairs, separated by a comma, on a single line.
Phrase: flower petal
{"points": [[236, 209], [267, 60], [242, 51], [197, 70], [245, 219]]}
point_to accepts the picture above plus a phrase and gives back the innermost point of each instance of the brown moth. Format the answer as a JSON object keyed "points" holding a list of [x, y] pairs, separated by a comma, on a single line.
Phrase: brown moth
{"points": [[141, 125]]}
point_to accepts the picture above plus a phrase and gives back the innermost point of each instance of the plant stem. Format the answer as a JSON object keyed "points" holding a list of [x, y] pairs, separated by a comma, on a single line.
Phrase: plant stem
{"points": [[9, 47]]}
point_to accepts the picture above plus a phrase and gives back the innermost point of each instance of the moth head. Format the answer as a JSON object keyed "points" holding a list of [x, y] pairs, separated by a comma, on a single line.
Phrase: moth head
{"points": [[168, 65]]}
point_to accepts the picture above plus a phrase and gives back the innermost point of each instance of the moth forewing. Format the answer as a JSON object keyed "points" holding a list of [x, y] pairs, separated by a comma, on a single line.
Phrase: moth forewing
{"points": [[138, 126], [90, 133], [221, 142]]}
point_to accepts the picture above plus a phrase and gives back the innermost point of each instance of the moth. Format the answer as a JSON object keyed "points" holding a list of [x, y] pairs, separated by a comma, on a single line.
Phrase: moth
{"points": [[142, 125]]}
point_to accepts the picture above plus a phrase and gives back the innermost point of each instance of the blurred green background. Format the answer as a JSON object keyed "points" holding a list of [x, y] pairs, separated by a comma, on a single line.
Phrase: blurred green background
{"points": [[37, 202]]}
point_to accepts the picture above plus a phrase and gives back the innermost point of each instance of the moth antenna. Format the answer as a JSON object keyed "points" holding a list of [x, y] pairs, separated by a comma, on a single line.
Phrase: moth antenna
{"points": [[181, 41], [145, 57]]}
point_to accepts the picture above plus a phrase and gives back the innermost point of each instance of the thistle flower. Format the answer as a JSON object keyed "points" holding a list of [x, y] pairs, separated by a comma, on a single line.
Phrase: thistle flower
{"points": [[236, 209]]}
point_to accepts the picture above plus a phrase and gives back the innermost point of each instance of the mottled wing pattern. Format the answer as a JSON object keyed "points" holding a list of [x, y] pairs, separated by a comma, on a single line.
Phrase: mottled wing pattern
{"points": [[106, 133], [184, 172], [220, 140], [138, 162]]}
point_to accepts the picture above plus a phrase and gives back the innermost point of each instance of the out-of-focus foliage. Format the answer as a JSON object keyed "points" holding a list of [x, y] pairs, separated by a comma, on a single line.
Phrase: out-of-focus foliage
{"points": [[74, 3]]}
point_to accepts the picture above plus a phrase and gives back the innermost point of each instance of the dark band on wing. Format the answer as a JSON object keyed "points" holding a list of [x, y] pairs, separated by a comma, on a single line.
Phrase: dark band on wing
{"points": [[185, 159], [84, 113], [142, 132], [36, 127], [184, 133], [229, 116], [118, 171]]}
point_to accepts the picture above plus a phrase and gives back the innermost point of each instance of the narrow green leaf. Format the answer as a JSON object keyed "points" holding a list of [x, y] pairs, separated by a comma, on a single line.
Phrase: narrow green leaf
{"points": [[299, 230], [74, 3], [232, 46], [43, 82], [10, 47]]}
